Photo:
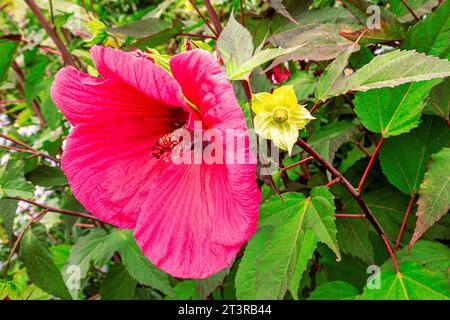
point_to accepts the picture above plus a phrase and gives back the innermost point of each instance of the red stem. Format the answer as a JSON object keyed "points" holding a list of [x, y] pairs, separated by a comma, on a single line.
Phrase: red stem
{"points": [[405, 218], [296, 164], [213, 16], [329, 184], [354, 193], [203, 18], [372, 159], [315, 107], [241, 6], [410, 10], [350, 215]]}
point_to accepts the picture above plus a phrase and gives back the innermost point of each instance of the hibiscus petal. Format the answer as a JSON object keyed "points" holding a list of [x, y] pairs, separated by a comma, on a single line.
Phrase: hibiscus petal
{"points": [[204, 84], [110, 167], [138, 72], [183, 221], [83, 98]]}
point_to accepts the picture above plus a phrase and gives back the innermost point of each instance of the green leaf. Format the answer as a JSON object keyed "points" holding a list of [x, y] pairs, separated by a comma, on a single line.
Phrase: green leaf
{"points": [[236, 48], [118, 284], [334, 290], [279, 7], [438, 102], [204, 287], [304, 84], [353, 238], [38, 260], [424, 274], [158, 38], [241, 72], [420, 8], [318, 42], [7, 48], [138, 266], [141, 28], [392, 111], [388, 205], [277, 255], [333, 72], [404, 158], [184, 290], [96, 247], [434, 199], [7, 212], [12, 182], [431, 35], [389, 30], [50, 113], [430, 255], [413, 283], [235, 44], [46, 176], [392, 69], [332, 136]]}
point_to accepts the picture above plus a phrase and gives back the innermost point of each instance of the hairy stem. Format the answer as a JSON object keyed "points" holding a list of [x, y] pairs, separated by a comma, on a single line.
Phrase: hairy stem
{"points": [[354, 193], [371, 161]]}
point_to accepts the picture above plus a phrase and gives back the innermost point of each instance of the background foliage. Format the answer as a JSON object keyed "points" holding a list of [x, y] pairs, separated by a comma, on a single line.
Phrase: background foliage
{"points": [[381, 99]]}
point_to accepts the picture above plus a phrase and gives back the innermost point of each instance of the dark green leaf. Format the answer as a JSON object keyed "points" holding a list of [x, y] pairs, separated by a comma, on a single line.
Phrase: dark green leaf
{"points": [[118, 284], [40, 264], [46, 176], [404, 158]]}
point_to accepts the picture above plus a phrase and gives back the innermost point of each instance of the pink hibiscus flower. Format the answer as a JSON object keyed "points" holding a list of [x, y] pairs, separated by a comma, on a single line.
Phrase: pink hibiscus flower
{"points": [[190, 220]]}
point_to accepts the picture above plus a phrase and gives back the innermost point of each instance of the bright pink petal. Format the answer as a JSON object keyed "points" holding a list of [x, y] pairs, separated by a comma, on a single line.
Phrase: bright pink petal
{"points": [[110, 167], [139, 73], [191, 214], [83, 98], [205, 85]]}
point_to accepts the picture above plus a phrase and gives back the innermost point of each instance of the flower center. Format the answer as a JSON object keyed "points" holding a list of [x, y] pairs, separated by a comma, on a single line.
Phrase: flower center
{"points": [[162, 148], [280, 115]]}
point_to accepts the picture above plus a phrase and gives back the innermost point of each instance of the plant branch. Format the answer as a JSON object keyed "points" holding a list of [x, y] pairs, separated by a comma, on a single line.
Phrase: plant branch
{"points": [[241, 7], [204, 36], [213, 16], [405, 218], [354, 193], [410, 10], [16, 244], [34, 104], [371, 161], [350, 215], [27, 149], [203, 18], [51, 209], [51, 32], [296, 164]]}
